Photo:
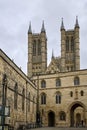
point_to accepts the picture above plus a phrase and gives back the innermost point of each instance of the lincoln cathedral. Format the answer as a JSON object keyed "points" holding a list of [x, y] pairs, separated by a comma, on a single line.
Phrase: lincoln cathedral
{"points": [[50, 95]]}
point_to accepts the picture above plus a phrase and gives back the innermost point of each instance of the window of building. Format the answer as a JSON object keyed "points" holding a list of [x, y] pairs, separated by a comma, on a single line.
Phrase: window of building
{"points": [[43, 84], [58, 82], [76, 81], [72, 44], [39, 47], [82, 93], [67, 44], [58, 98], [15, 95], [71, 94], [23, 98], [62, 116], [34, 48], [29, 102], [4, 82], [43, 98]]}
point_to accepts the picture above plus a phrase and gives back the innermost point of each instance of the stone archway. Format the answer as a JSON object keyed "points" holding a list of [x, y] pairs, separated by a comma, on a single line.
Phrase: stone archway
{"points": [[76, 120], [51, 119]]}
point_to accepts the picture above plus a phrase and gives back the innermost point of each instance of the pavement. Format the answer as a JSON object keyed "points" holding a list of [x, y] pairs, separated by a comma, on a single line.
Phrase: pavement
{"points": [[57, 128]]}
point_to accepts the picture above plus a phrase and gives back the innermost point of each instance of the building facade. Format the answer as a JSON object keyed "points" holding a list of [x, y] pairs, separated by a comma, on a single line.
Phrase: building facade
{"points": [[17, 92], [54, 95]]}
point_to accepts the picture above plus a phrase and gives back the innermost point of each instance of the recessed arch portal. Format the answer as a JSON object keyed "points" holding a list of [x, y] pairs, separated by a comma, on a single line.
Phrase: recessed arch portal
{"points": [[51, 119], [75, 118]]}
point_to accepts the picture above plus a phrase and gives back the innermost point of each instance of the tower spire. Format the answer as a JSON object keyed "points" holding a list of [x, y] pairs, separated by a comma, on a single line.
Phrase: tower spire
{"points": [[62, 25], [30, 30], [52, 54], [43, 28], [77, 24]]}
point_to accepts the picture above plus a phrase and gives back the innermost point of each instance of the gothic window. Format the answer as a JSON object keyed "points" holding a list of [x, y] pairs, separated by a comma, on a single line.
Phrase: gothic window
{"points": [[67, 44], [82, 93], [43, 98], [58, 82], [62, 116], [23, 98], [72, 44], [15, 95], [76, 81], [4, 82], [58, 98], [34, 47], [71, 94], [39, 47], [43, 84], [29, 102]]}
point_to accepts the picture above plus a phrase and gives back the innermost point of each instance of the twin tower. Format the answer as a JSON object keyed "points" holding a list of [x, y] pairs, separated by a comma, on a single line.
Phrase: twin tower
{"points": [[37, 50]]}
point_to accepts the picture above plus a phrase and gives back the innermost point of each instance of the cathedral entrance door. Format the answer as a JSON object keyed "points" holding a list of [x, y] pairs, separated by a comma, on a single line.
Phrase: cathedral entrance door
{"points": [[51, 119], [77, 115]]}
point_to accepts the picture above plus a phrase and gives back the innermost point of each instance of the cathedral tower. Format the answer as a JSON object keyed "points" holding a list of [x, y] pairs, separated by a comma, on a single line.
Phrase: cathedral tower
{"points": [[37, 52], [70, 57]]}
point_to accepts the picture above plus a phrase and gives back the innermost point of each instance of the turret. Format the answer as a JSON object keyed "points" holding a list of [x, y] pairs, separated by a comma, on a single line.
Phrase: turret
{"points": [[77, 55], [29, 30], [43, 28], [63, 45], [76, 24], [52, 54], [43, 48], [29, 64], [62, 25]]}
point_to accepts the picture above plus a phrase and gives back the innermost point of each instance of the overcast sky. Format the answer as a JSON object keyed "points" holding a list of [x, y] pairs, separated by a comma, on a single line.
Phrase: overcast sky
{"points": [[15, 16]]}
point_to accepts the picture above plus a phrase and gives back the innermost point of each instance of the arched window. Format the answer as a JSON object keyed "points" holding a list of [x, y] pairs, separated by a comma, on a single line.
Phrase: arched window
{"points": [[71, 94], [76, 81], [82, 93], [34, 47], [72, 44], [43, 84], [4, 82], [67, 44], [62, 116], [43, 98], [29, 102], [58, 82], [15, 95], [58, 98], [23, 98], [39, 47]]}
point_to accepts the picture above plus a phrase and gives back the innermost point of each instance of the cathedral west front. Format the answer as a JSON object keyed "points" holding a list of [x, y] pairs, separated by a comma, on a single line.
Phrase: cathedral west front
{"points": [[53, 95]]}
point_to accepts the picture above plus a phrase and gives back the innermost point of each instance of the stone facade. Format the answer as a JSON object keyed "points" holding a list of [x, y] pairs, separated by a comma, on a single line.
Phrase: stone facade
{"points": [[26, 93], [72, 99]]}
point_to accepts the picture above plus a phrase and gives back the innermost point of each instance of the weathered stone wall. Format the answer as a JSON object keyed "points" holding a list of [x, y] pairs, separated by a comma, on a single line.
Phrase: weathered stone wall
{"points": [[15, 75]]}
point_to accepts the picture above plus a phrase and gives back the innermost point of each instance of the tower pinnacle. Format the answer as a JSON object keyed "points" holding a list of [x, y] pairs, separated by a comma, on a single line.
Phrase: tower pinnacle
{"points": [[43, 28], [29, 30], [62, 25], [77, 24], [52, 54]]}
